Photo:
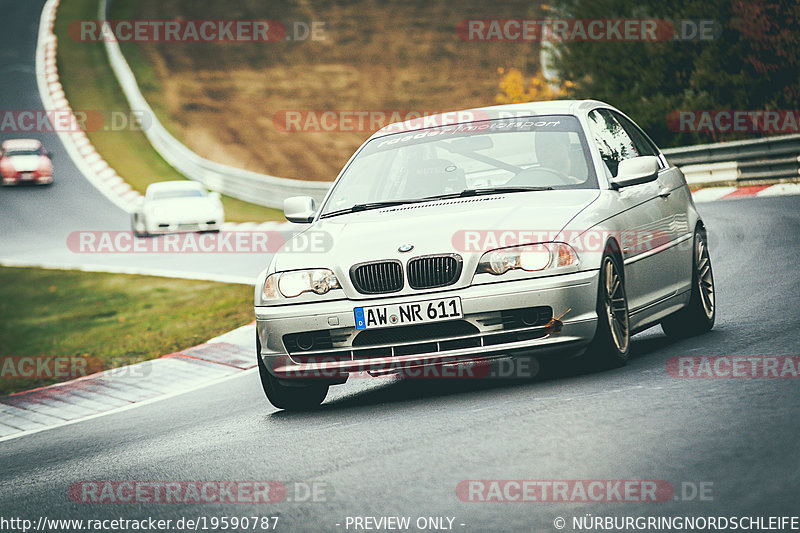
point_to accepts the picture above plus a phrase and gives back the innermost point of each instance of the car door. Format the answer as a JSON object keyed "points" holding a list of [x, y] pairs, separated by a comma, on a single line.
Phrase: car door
{"points": [[674, 198], [640, 217]]}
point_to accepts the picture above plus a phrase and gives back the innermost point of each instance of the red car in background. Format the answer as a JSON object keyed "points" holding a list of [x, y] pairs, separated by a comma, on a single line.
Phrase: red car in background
{"points": [[25, 160]]}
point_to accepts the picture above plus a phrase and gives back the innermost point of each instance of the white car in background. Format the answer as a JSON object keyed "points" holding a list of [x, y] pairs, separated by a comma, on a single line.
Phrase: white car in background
{"points": [[25, 161], [177, 206]]}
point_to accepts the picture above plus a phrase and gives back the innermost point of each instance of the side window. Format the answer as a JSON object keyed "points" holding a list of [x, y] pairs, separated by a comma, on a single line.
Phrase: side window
{"points": [[612, 140], [643, 145]]}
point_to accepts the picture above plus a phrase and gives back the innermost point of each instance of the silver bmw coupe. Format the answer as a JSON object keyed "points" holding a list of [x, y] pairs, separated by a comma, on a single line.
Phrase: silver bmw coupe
{"points": [[500, 232]]}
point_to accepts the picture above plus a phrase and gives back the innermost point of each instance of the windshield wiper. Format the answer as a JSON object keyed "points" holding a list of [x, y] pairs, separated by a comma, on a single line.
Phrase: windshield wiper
{"points": [[371, 205], [466, 192], [496, 190], [484, 190]]}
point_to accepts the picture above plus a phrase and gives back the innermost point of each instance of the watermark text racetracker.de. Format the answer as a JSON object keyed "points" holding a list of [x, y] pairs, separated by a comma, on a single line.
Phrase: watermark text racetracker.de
{"points": [[197, 31], [230, 242], [41, 366], [198, 492], [397, 120], [71, 121], [325, 368], [775, 121], [579, 490], [67, 367], [591, 240], [734, 367], [578, 30], [368, 120]]}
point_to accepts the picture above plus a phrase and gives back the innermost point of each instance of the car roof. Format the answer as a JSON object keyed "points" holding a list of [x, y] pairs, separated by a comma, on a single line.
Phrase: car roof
{"points": [[550, 107], [174, 185], [21, 144]]}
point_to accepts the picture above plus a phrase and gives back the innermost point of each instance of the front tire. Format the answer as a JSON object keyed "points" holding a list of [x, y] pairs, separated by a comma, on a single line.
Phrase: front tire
{"points": [[701, 312], [138, 226], [610, 347], [300, 397]]}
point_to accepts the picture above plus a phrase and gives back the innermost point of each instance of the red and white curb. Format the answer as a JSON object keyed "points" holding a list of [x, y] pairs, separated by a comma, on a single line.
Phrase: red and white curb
{"points": [[76, 143], [724, 193], [112, 391]]}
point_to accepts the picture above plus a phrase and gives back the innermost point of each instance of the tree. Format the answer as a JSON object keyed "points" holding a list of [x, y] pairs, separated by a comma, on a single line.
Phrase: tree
{"points": [[747, 63], [513, 90]]}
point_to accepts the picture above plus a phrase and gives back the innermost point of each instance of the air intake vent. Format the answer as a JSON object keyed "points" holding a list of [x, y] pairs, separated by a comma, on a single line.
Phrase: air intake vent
{"points": [[309, 340], [380, 277], [426, 205], [432, 271]]}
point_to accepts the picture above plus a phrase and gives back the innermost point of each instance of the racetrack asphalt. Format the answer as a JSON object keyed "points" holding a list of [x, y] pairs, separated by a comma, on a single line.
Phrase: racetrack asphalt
{"points": [[388, 447]]}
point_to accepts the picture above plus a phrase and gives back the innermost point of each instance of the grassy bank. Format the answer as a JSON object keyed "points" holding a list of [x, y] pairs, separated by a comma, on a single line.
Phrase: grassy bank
{"points": [[109, 320], [89, 84], [226, 99]]}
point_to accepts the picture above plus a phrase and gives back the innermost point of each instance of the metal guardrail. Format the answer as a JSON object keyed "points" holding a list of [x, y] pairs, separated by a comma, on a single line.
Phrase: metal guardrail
{"points": [[771, 158], [705, 173], [261, 189], [769, 169]]}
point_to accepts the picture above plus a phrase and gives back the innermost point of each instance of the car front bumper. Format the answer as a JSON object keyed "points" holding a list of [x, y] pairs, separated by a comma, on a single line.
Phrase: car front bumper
{"points": [[27, 177], [183, 226], [572, 295]]}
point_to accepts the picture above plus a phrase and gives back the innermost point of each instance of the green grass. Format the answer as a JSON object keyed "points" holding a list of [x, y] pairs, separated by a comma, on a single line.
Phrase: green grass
{"points": [[110, 320], [89, 84]]}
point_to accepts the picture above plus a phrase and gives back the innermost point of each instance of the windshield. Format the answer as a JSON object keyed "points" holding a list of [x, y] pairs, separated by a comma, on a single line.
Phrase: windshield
{"points": [[177, 193], [529, 152], [20, 153]]}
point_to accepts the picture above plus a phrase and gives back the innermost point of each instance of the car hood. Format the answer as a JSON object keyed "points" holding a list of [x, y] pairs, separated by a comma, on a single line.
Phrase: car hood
{"points": [[24, 163], [436, 227]]}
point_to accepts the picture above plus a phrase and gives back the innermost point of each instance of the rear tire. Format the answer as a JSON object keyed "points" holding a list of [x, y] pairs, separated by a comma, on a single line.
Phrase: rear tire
{"points": [[701, 312], [610, 347], [299, 397]]}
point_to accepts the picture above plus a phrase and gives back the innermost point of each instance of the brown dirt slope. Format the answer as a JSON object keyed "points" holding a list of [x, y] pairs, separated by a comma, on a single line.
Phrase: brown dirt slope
{"points": [[221, 98]]}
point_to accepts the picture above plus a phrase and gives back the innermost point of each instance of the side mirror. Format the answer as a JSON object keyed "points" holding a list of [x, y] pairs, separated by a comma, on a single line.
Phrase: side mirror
{"points": [[636, 170], [299, 209]]}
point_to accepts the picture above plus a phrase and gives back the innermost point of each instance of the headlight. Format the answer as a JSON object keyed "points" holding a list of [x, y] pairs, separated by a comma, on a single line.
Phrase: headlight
{"points": [[531, 258], [294, 283]]}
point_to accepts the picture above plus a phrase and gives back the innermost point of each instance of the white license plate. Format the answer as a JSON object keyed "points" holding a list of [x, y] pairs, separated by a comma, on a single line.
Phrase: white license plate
{"points": [[27, 176], [386, 316]]}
